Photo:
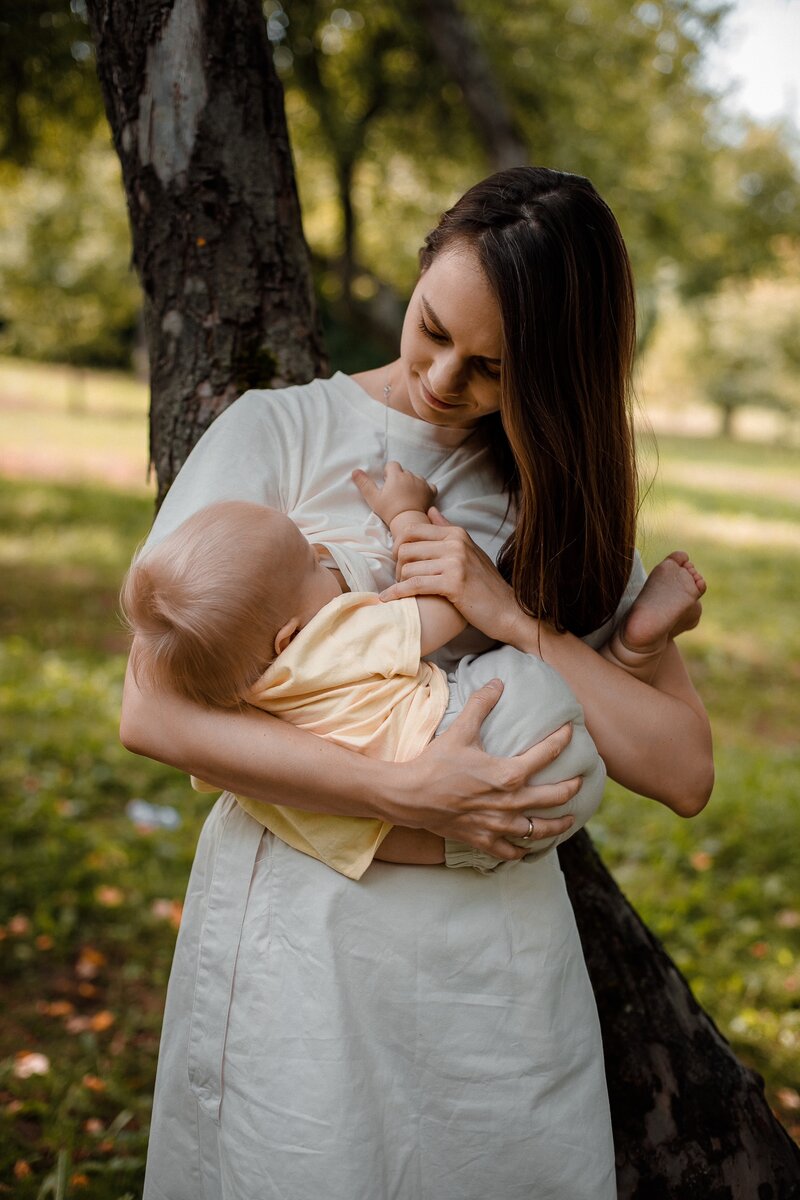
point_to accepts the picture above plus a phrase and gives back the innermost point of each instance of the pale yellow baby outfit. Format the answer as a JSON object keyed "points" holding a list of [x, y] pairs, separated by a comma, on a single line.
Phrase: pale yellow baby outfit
{"points": [[353, 675]]}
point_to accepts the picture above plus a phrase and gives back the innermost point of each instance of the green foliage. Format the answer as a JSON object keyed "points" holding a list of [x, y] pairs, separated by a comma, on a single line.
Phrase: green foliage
{"points": [[68, 292], [610, 89], [47, 80], [735, 349], [88, 902], [721, 890], [383, 143]]}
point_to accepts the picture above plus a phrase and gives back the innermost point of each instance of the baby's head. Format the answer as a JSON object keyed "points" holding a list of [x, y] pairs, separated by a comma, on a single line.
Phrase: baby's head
{"points": [[213, 603]]}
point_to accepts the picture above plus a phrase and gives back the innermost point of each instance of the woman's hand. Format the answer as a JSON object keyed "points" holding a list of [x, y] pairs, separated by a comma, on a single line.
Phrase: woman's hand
{"points": [[457, 790], [441, 559]]}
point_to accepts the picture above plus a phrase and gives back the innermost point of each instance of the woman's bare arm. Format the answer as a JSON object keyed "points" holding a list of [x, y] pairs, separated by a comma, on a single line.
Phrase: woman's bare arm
{"points": [[454, 789], [654, 738]]}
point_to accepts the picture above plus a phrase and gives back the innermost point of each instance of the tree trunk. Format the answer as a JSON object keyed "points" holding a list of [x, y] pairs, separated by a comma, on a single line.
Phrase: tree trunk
{"points": [[461, 54], [218, 243], [197, 115], [690, 1122]]}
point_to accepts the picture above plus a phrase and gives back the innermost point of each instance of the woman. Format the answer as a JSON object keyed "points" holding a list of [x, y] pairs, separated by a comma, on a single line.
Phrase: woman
{"points": [[425, 1033]]}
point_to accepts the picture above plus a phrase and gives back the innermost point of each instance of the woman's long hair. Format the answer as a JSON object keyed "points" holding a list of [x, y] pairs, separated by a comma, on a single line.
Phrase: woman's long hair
{"points": [[554, 256]]}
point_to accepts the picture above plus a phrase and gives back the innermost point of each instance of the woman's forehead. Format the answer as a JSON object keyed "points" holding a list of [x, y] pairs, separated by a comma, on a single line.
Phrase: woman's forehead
{"points": [[455, 291]]}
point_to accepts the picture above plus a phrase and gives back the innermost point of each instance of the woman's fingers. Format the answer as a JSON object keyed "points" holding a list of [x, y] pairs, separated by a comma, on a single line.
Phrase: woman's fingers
{"points": [[541, 754], [427, 533], [467, 725], [417, 585]]}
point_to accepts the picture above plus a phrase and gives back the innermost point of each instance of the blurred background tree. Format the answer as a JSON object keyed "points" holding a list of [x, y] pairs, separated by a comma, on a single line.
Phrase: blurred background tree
{"points": [[388, 127]]}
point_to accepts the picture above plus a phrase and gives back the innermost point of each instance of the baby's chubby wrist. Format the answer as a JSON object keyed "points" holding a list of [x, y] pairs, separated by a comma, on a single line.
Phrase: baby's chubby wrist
{"points": [[402, 521]]}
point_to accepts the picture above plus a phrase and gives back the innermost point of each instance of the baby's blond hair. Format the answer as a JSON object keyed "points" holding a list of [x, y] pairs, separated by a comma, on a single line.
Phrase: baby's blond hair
{"points": [[201, 604]]}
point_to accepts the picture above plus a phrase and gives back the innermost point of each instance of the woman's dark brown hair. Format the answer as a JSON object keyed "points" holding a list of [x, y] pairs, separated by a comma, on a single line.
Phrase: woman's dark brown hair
{"points": [[555, 259]]}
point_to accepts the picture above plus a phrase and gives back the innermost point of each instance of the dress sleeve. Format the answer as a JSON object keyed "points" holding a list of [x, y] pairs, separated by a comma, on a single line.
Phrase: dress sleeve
{"points": [[244, 455]]}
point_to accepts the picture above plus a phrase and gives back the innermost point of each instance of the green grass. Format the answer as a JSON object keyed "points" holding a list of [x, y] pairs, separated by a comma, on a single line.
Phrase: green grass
{"points": [[88, 903]]}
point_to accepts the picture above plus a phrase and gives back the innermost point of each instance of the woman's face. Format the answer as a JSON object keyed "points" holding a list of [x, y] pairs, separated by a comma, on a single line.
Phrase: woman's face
{"points": [[451, 345]]}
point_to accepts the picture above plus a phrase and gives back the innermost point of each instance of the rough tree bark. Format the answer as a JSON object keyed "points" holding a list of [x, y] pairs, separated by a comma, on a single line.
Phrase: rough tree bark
{"points": [[461, 53], [197, 116]]}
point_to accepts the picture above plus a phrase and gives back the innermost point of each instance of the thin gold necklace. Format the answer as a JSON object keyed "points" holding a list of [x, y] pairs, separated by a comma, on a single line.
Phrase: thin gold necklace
{"points": [[387, 393]]}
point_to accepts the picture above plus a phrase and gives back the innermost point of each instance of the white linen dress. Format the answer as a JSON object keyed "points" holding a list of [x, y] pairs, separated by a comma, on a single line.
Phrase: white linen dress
{"points": [[424, 1033]]}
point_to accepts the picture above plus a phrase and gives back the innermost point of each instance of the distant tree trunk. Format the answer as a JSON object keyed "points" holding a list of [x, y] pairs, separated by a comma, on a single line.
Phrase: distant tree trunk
{"points": [[727, 412], [197, 114], [461, 53], [198, 120]]}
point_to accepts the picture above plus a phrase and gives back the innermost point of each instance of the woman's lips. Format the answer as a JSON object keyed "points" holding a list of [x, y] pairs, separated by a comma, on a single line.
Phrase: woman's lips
{"points": [[434, 401]]}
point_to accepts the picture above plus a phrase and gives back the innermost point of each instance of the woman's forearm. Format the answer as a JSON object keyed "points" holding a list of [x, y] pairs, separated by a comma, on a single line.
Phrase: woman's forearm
{"points": [[654, 738], [254, 754], [454, 789]]}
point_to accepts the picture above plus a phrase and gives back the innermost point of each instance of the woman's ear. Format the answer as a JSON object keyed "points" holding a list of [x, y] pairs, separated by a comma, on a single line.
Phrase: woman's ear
{"points": [[285, 635]]}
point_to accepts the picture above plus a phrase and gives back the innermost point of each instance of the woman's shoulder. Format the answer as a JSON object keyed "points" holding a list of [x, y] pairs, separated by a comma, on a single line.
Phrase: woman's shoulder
{"points": [[293, 400]]}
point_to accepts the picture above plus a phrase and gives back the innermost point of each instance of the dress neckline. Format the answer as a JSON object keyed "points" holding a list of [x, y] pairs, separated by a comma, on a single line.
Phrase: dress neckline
{"points": [[402, 427]]}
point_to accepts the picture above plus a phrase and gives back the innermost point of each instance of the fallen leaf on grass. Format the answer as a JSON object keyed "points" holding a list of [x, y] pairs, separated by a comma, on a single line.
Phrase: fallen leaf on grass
{"points": [[30, 1062], [77, 1024], [167, 910], [79, 1180], [22, 1169], [55, 1008], [98, 1023], [89, 962], [101, 1021], [94, 1083]]}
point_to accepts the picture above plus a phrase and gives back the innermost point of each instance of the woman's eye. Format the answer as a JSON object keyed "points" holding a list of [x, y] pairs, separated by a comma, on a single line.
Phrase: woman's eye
{"points": [[489, 371], [435, 337]]}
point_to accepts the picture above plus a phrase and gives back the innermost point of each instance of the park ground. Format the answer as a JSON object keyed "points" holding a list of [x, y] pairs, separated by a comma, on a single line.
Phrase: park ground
{"points": [[90, 893]]}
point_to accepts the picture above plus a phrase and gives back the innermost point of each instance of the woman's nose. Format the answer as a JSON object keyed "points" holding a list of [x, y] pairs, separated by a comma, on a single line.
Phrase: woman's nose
{"points": [[447, 374]]}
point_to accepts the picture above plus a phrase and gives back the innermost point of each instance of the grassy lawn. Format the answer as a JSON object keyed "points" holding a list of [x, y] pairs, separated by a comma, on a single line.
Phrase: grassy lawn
{"points": [[90, 900]]}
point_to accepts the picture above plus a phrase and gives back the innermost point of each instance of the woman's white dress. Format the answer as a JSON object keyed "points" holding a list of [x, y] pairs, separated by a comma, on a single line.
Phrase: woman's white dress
{"points": [[423, 1034]]}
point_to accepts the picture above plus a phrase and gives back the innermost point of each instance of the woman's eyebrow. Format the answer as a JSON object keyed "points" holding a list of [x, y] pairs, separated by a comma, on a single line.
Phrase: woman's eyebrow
{"points": [[431, 315]]}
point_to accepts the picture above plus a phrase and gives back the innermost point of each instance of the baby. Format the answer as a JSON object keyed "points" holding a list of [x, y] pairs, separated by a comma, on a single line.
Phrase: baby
{"points": [[235, 607]]}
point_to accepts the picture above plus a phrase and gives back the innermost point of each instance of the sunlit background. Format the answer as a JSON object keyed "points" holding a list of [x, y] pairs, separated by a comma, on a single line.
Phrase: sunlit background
{"points": [[686, 114]]}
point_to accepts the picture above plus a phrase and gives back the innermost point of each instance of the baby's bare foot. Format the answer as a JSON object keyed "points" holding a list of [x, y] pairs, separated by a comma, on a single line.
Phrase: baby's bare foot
{"points": [[668, 604]]}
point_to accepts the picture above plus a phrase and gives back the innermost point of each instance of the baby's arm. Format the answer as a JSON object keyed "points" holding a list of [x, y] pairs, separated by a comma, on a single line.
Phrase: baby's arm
{"points": [[404, 500], [668, 604]]}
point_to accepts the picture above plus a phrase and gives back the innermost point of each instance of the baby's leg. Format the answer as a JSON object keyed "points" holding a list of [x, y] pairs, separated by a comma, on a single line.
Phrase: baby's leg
{"points": [[668, 604], [535, 702]]}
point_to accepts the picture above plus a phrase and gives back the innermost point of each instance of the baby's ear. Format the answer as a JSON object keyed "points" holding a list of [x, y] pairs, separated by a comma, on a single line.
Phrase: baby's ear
{"points": [[284, 635]]}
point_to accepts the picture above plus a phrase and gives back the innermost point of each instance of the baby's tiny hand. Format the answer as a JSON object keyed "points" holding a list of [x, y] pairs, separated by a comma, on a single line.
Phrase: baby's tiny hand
{"points": [[402, 491]]}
